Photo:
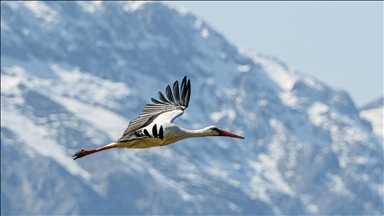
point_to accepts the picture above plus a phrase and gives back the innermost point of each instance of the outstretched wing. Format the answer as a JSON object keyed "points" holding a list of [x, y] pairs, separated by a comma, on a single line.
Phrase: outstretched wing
{"points": [[165, 109], [143, 133]]}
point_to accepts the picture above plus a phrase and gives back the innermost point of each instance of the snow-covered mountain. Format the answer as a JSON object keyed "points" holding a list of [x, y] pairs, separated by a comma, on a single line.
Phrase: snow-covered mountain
{"points": [[73, 74]]}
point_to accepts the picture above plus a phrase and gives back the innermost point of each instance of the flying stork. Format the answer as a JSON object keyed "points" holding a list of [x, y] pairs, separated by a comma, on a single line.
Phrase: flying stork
{"points": [[154, 126]]}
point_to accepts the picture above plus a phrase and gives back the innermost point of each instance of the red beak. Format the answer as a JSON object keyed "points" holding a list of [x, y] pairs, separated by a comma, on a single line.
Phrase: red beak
{"points": [[226, 133]]}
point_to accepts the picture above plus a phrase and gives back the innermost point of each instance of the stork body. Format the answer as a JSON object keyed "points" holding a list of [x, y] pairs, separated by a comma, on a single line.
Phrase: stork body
{"points": [[154, 126]]}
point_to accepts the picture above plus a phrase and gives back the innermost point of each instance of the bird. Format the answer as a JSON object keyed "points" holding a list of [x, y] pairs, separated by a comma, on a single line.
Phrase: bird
{"points": [[154, 127]]}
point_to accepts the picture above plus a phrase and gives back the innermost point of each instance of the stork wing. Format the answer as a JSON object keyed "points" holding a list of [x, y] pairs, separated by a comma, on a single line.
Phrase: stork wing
{"points": [[166, 110], [144, 134]]}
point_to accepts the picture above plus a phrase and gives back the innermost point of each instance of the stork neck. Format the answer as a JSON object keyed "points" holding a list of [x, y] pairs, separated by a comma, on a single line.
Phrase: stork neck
{"points": [[195, 133]]}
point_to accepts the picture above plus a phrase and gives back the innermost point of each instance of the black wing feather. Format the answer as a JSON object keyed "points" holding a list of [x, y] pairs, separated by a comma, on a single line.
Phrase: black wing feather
{"points": [[161, 97], [161, 132], [188, 93], [168, 91], [156, 101], [183, 88], [146, 133], [176, 91], [154, 130], [178, 100]]}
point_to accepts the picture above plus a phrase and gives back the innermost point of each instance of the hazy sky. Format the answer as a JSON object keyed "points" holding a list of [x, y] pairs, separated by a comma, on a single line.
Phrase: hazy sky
{"points": [[339, 43]]}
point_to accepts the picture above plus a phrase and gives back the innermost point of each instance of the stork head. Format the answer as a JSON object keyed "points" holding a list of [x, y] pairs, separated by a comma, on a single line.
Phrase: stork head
{"points": [[215, 131]]}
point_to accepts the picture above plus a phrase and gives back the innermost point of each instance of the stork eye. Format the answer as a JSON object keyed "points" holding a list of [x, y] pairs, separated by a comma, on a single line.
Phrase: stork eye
{"points": [[215, 129]]}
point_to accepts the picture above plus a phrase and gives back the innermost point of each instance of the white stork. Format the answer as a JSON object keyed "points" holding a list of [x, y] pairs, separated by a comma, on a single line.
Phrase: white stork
{"points": [[154, 126]]}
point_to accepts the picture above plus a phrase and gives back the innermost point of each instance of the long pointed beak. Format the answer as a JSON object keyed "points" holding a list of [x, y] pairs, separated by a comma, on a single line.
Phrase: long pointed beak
{"points": [[229, 134]]}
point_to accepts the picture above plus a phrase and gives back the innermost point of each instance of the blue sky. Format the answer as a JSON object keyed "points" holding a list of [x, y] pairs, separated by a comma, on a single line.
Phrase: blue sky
{"points": [[339, 43]]}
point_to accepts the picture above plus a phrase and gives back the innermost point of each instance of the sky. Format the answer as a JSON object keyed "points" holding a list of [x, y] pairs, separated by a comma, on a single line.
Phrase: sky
{"points": [[339, 43]]}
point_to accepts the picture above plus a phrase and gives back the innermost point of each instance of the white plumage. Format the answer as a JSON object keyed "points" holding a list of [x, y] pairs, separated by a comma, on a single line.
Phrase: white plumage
{"points": [[154, 125]]}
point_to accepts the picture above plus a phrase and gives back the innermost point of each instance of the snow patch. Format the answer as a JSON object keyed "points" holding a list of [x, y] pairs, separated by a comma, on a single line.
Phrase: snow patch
{"points": [[289, 99], [134, 5], [74, 83], [375, 116], [338, 186], [88, 87], [317, 113], [266, 177], [37, 138], [306, 199], [243, 68], [218, 172], [205, 33], [41, 11], [91, 6], [170, 183], [217, 116], [180, 9], [9, 82], [198, 24], [103, 119], [313, 83], [262, 102], [281, 75], [210, 81], [25, 32]]}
